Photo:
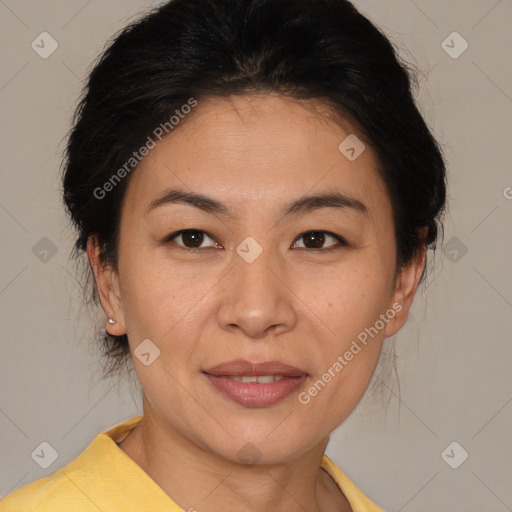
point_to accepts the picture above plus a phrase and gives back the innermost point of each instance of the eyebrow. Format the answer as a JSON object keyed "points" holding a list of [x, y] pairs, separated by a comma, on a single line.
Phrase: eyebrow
{"points": [[304, 204]]}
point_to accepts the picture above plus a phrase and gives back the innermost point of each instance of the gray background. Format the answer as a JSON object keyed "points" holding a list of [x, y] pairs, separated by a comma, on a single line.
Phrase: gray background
{"points": [[453, 356]]}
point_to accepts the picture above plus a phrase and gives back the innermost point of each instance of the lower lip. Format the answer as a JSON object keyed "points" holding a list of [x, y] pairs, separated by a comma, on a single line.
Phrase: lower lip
{"points": [[253, 394]]}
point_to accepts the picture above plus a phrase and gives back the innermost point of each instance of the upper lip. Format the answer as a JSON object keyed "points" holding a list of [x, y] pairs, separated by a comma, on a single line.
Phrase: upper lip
{"points": [[241, 367]]}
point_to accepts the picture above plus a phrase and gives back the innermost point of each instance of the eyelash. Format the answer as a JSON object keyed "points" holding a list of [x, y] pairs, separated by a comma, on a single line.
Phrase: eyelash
{"points": [[341, 240]]}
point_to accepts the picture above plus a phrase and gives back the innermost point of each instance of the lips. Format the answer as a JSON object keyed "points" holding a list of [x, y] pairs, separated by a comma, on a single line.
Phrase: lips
{"points": [[255, 384], [240, 367]]}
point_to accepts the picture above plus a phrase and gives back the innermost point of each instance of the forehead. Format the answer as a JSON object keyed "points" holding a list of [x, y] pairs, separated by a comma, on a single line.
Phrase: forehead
{"points": [[254, 148]]}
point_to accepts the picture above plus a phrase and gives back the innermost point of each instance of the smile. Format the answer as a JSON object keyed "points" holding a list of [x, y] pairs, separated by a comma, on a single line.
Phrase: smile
{"points": [[255, 384]]}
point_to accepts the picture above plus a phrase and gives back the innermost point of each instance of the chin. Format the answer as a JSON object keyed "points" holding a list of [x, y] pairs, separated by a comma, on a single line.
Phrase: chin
{"points": [[265, 444]]}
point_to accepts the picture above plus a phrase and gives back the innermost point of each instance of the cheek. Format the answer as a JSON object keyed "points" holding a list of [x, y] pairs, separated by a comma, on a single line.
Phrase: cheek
{"points": [[348, 297], [141, 293], [162, 300], [349, 303], [348, 361]]}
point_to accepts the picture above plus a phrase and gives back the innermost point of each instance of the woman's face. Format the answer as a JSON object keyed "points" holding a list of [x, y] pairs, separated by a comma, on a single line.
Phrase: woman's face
{"points": [[247, 285]]}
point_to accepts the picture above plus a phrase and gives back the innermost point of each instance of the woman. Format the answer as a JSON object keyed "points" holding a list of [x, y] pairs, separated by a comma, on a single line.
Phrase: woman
{"points": [[256, 192]]}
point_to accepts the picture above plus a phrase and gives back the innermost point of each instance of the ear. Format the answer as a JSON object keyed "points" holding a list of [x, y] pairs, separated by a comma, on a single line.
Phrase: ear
{"points": [[107, 282], [406, 286]]}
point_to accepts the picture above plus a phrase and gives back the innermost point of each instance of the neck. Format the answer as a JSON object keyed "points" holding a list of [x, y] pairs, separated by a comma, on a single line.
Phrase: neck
{"points": [[197, 479]]}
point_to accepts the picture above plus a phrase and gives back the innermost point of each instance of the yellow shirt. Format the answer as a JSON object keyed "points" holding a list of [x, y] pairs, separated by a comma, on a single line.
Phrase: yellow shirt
{"points": [[104, 479]]}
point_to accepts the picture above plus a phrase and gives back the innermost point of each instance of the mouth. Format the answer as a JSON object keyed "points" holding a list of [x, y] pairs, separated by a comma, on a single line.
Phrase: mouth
{"points": [[255, 384]]}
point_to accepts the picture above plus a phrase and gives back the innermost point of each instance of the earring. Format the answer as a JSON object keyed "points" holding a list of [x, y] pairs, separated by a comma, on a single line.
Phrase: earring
{"points": [[111, 321]]}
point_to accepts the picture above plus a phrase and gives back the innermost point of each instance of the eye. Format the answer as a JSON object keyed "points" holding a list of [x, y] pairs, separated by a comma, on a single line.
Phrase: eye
{"points": [[315, 240], [192, 239]]}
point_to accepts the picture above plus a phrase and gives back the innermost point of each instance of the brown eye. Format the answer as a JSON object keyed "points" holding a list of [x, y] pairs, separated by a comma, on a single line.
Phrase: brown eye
{"points": [[316, 240], [191, 239]]}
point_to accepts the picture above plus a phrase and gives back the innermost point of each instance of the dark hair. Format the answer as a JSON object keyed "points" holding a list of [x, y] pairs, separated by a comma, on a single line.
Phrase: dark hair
{"points": [[304, 49]]}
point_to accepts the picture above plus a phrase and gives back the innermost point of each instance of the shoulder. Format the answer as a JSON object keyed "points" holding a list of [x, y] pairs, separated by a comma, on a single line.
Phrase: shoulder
{"points": [[358, 501], [55, 493], [102, 477], [69, 488]]}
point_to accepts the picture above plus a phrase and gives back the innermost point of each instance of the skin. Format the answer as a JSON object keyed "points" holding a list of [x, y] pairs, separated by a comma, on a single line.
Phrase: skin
{"points": [[295, 304]]}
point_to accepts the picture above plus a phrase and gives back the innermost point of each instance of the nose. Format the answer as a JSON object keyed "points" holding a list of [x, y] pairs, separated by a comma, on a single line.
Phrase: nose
{"points": [[257, 298]]}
